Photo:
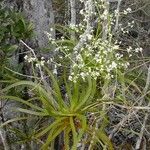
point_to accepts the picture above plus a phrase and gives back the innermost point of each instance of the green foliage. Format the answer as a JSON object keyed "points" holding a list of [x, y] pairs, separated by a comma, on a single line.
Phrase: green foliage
{"points": [[68, 112], [13, 27], [98, 82]]}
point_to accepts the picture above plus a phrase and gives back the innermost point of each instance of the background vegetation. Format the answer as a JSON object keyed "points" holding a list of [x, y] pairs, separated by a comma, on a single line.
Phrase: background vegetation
{"points": [[74, 74]]}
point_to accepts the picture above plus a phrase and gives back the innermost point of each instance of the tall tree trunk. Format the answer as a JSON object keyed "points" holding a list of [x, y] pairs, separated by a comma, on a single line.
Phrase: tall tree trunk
{"points": [[40, 12]]}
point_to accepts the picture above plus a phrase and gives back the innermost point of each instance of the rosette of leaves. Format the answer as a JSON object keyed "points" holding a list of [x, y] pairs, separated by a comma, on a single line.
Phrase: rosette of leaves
{"points": [[68, 112]]}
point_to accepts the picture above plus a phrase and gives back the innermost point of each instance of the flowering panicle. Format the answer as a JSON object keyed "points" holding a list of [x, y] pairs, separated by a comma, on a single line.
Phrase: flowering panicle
{"points": [[96, 57]]}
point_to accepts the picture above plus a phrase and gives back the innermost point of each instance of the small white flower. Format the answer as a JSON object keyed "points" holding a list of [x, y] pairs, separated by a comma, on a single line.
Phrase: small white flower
{"points": [[51, 29], [81, 1], [53, 41], [113, 65], [70, 78], [126, 65], [129, 49], [116, 12], [137, 50], [105, 12], [130, 55], [72, 26], [116, 47], [62, 38], [107, 76], [133, 22], [129, 10], [55, 71], [42, 62], [26, 57], [37, 65], [140, 49], [125, 12], [31, 59], [89, 36], [49, 35], [112, 76], [81, 11]]}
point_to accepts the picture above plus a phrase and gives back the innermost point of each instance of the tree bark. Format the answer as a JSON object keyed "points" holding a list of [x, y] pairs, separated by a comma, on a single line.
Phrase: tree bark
{"points": [[40, 12]]}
